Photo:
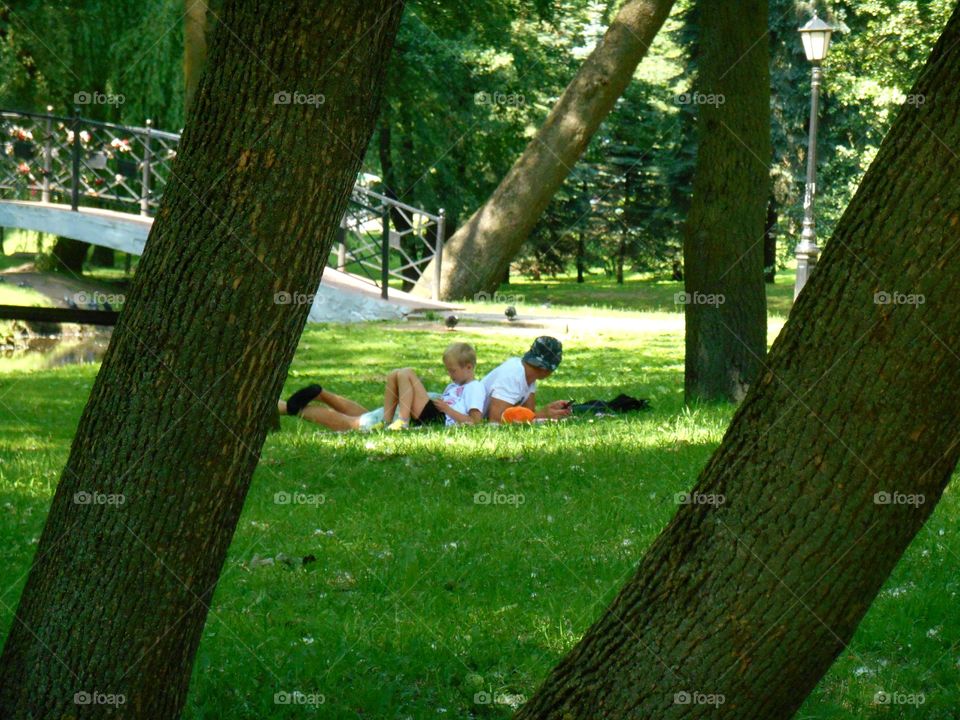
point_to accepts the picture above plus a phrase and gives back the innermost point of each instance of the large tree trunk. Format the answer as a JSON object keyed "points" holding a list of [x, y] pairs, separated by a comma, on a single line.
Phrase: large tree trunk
{"points": [[194, 48], [476, 255], [117, 597], [855, 421], [726, 309]]}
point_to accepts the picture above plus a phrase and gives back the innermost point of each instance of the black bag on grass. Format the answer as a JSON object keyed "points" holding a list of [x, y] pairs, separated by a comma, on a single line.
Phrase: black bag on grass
{"points": [[620, 404]]}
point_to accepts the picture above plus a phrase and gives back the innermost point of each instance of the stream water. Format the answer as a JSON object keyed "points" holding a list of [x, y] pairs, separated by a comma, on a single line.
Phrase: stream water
{"points": [[56, 351]]}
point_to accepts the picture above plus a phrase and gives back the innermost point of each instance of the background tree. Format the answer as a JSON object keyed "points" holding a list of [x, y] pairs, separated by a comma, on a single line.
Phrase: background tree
{"points": [[562, 233], [194, 47], [480, 251], [726, 309], [178, 412], [878, 49], [465, 84], [648, 137], [760, 580]]}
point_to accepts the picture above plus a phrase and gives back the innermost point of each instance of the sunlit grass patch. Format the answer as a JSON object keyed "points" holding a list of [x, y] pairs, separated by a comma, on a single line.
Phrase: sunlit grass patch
{"points": [[420, 574]]}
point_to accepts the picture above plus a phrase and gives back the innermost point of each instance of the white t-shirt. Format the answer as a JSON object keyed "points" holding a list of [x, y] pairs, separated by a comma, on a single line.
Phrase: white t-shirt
{"points": [[464, 398], [508, 382]]}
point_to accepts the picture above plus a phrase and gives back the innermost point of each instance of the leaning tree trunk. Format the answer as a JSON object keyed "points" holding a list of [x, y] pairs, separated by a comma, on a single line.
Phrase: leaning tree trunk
{"points": [[830, 467], [476, 255], [726, 308], [166, 446], [194, 48]]}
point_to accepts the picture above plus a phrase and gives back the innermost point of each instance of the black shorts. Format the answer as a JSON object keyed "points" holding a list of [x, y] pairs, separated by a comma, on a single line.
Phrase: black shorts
{"points": [[429, 416]]}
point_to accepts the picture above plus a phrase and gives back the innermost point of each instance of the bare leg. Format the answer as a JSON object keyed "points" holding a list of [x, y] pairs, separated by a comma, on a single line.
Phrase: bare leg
{"points": [[342, 405], [390, 397], [325, 416], [413, 395], [330, 418]]}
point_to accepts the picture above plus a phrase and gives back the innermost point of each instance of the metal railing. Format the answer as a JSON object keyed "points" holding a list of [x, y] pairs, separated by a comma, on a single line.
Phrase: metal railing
{"points": [[52, 158], [57, 159], [383, 239]]}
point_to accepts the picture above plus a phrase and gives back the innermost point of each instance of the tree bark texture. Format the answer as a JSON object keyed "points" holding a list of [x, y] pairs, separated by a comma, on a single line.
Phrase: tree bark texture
{"points": [[165, 449], [726, 308], [854, 420]]}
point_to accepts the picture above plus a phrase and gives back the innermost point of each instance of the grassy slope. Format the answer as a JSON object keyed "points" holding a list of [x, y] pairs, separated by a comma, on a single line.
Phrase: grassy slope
{"points": [[420, 597]]}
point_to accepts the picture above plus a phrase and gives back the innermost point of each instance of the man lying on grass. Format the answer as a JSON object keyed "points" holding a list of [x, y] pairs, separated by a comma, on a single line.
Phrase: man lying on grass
{"points": [[462, 401], [514, 383]]}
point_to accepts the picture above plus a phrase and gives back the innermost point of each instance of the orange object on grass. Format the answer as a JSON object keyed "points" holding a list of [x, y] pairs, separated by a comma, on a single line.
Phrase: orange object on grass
{"points": [[517, 415]]}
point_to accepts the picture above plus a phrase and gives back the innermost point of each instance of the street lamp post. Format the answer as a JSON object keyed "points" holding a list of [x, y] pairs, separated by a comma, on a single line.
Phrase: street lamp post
{"points": [[816, 41]]}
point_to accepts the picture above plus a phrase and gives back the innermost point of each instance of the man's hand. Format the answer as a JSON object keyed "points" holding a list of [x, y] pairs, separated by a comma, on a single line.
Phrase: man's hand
{"points": [[556, 410]]}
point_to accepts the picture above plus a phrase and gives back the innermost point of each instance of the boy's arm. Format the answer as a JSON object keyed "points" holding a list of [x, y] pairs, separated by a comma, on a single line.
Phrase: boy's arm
{"points": [[473, 417]]}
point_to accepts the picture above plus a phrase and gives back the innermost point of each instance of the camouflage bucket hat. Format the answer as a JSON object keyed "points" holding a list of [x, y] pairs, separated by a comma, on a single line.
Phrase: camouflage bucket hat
{"points": [[546, 352]]}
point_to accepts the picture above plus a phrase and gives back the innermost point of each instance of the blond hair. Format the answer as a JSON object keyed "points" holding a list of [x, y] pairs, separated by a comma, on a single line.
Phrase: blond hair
{"points": [[461, 353]]}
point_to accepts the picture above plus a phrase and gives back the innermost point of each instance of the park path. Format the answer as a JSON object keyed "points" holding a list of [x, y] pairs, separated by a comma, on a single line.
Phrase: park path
{"points": [[566, 326], [551, 322]]}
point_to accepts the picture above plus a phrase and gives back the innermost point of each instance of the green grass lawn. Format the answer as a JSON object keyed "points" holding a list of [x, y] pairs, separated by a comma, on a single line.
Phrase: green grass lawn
{"points": [[639, 292], [421, 598]]}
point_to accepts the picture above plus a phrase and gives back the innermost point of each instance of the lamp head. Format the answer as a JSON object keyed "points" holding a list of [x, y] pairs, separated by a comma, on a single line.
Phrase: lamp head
{"points": [[816, 39]]}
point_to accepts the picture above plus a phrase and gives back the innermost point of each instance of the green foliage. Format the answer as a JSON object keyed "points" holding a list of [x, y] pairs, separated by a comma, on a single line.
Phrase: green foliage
{"points": [[467, 86], [873, 61], [50, 51]]}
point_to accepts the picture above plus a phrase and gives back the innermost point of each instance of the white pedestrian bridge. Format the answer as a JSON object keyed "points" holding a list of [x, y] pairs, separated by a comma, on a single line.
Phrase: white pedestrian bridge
{"points": [[101, 183]]}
